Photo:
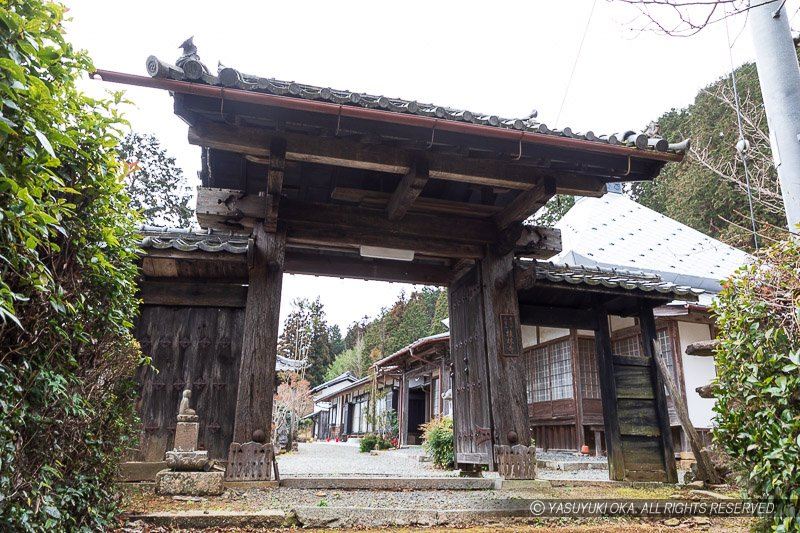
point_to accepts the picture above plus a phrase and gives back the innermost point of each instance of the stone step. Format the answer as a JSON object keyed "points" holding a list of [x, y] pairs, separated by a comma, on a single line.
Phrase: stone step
{"points": [[194, 520], [388, 483]]}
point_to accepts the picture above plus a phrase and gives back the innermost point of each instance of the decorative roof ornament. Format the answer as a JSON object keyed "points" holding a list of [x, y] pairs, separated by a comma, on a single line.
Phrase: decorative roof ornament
{"points": [[190, 62]]}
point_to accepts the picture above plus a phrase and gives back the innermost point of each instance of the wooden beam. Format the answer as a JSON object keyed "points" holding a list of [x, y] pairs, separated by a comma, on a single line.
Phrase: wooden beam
{"points": [[705, 467], [408, 190], [647, 323], [557, 317], [229, 208], [702, 348], [608, 394], [260, 340], [379, 200], [526, 203], [352, 154], [277, 166], [298, 262], [192, 294]]}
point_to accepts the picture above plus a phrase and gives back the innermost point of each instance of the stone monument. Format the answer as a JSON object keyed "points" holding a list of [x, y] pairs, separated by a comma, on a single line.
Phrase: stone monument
{"points": [[190, 473]]}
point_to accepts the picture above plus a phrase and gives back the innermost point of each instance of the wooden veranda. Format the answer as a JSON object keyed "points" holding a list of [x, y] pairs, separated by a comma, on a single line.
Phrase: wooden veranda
{"points": [[325, 182]]}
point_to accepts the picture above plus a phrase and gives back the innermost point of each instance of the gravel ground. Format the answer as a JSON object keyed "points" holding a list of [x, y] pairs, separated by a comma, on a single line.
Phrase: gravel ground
{"points": [[328, 459], [323, 459]]}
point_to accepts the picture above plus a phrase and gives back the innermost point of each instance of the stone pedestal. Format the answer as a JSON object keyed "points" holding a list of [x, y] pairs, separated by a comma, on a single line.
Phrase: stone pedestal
{"points": [[191, 460], [169, 482], [186, 434]]}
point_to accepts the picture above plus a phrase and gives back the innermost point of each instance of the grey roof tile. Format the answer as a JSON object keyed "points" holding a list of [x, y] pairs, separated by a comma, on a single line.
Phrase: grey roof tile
{"points": [[229, 77], [609, 277]]}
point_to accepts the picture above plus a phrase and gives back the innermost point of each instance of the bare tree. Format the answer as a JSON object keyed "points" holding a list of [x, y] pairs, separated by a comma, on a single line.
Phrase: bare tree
{"points": [[684, 18], [763, 179]]}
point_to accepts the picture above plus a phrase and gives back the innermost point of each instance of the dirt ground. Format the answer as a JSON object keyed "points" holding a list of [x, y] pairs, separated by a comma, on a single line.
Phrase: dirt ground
{"points": [[141, 499]]}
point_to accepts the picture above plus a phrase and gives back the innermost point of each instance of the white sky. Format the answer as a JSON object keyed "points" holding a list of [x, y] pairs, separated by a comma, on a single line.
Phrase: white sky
{"points": [[498, 57]]}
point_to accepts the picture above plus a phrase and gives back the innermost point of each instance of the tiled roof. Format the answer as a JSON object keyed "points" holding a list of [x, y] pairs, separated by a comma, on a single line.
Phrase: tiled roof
{"points": [[610, 278], [615, 231], [439, 337], [195, 72], [186, 240]]}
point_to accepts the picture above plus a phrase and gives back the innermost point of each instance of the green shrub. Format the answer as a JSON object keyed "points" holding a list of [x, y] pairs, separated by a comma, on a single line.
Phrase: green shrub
{"points": [[438, 441], [367, 443], [758, 378], [383, 443], [67, 284]]}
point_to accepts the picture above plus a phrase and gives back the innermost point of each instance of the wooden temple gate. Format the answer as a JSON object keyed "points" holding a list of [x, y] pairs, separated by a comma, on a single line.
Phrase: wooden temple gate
{"points": [[325, 182]]}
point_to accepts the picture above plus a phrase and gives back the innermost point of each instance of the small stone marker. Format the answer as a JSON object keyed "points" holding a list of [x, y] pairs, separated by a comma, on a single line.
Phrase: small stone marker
{"points": [[251, 461], [188, 473]]}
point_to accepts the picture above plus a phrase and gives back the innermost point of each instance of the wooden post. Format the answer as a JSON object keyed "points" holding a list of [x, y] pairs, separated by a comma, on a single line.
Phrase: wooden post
{"points": [[649, 337], [509, 402], [259, 345], [705, 467], [608, 394], [577, 393], [403, 422]]}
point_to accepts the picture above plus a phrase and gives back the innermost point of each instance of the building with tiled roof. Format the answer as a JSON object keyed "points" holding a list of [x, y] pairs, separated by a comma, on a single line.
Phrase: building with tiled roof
{"points": [[616, 236]]}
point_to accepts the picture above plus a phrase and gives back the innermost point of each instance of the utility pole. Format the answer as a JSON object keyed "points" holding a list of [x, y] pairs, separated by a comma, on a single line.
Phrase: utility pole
{"points": [[779, 75]]}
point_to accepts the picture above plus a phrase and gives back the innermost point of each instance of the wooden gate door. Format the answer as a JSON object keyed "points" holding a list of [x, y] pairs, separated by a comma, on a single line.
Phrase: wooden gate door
{"points": [[198, 348], [472, 423]]}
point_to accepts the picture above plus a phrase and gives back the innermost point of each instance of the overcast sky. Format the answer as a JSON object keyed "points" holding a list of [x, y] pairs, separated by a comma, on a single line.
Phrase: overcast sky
{"points": [[498, 57]]}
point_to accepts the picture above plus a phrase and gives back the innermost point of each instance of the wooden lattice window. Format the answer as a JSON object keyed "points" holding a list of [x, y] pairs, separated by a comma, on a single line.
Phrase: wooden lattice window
{"points": [[561, 370], [551, 372], [590, 378]]}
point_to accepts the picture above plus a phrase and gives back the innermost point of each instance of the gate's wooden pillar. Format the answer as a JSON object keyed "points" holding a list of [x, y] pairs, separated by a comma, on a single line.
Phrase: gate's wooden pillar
{"points": [[259, 345], [506, 365], [649, 335], [608, 394]]}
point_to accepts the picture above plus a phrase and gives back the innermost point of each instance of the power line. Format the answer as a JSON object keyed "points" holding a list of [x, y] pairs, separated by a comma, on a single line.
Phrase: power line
{"points": [[742, 139], [575, 63]]}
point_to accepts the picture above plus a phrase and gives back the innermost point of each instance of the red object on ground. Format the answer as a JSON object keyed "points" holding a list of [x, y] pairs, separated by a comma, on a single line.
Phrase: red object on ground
{"points": [[585, 449]]}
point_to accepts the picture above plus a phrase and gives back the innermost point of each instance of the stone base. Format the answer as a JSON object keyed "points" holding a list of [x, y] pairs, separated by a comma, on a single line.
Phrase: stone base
{"points": [[169, 482], [192, 461]]}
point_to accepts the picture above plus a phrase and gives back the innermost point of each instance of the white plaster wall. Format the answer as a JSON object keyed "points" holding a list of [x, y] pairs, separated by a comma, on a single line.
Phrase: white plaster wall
{"points": [[619, 322], [528, 336], [697, 371], [548, 334]]}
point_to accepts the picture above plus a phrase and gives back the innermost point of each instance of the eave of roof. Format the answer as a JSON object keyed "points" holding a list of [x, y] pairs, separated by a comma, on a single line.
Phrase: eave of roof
{"points": [[188, 240], [234, 86], [614, 279], [337, 392], [346, 376], [416, 345]]}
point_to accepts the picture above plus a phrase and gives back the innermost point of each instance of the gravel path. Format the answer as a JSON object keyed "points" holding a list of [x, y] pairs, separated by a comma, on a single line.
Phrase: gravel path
{"points": [[323, 459]]}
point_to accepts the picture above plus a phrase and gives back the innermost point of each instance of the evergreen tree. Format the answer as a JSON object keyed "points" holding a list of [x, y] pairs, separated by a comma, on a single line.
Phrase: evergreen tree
{"points": [[707, 190], [319, 349], [294, 339], [337, 343], [154, 182], [441, 312]]}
